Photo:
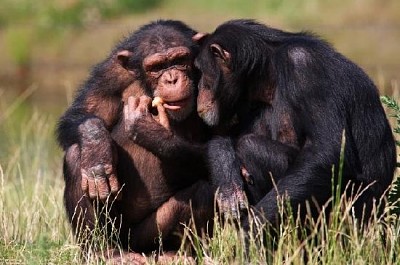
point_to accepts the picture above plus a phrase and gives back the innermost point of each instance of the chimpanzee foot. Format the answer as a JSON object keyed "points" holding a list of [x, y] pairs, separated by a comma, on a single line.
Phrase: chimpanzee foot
{"points": [[132, 258], [114, 257]]}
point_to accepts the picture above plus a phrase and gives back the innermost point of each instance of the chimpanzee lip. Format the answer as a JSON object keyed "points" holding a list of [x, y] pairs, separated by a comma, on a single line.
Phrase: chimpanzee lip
{"points": [[176, 105]]}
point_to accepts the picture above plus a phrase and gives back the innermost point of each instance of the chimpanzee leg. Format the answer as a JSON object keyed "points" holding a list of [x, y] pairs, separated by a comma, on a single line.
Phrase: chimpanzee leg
{"points": [[262, 158], [81, 210], [196, 200], [265, 160]]}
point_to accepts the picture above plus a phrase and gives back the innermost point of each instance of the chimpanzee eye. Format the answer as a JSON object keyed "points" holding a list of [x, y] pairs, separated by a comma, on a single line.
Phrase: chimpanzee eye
{"points": [[182, 61], [157, 68]]}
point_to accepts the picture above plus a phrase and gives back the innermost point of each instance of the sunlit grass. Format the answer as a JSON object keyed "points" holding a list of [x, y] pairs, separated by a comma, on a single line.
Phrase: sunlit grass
{"points": [[334, 240], [32, 220]]}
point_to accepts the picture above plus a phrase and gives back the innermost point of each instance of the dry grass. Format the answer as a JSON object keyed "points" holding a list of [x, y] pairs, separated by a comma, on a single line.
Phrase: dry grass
{"points": [[34, 229]]}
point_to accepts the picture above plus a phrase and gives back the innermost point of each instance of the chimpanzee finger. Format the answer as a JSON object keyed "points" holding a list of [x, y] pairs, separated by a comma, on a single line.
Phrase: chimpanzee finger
{"points": [[114, 184], [103, 190], [144, 104], [146, 100], [126, 118], [233, 210], [129, 112], [162, 116], [240, 199], [243, 201], [133, 103], [91, 186], [84, 181], [224, 203], [112, 178], [246, 175]]}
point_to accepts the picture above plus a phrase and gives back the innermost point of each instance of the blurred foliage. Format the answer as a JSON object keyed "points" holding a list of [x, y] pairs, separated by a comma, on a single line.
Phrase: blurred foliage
{"points": [[18, 43], [47, 18], [394, 192], [28, 23], [52, 43], [48, 14]]}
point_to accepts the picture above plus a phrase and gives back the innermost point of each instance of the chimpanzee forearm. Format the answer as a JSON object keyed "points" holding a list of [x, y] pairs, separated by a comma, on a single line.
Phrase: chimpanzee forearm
{"points": [[223, 162], [87, 123], [226, 176], [67, 129], [166, 144]]}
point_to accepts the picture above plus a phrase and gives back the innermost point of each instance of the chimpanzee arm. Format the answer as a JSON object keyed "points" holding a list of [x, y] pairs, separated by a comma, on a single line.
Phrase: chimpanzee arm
{"points": [[145, 131], [225, 174], [87, 122], [165, 144]]}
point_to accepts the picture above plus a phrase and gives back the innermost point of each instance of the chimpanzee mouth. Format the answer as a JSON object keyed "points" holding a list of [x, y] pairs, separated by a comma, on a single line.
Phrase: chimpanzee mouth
{"points": [[176, 105]]}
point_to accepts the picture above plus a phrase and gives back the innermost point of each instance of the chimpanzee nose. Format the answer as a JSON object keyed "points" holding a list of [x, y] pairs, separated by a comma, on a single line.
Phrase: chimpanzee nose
{"points": [[171, 79]]}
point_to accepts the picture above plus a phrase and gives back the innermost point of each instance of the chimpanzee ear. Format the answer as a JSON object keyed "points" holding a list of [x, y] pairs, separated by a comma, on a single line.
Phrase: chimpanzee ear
{"points": [[219, 52], [199, 37], [123, 58]]}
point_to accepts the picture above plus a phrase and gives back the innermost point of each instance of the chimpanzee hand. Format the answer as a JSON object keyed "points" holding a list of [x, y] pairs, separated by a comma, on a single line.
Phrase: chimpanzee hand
{"points": [[231, 199], [97, 160], [137, 109]]}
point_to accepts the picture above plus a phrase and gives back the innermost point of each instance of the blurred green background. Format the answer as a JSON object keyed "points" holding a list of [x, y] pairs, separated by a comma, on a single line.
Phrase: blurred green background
{"points": [[49, 46]]}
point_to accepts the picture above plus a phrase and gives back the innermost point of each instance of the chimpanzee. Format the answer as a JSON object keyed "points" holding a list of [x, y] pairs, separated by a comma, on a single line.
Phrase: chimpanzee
{"points": [[267, 88], [144, 190]]}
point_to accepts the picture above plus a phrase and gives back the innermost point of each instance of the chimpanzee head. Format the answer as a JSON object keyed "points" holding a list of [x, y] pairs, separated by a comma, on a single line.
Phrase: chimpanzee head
{"points": [[215, 99], [160, 55], [234, 61]]}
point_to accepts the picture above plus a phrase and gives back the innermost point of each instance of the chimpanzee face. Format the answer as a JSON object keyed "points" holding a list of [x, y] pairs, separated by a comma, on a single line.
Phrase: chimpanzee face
{"points": [[214, 101], [170, 76], [166, 70]]}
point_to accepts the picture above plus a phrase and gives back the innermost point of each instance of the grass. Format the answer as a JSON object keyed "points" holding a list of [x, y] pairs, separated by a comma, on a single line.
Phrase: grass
{"points": [[32, 220], [34, 230], [339, 241]]}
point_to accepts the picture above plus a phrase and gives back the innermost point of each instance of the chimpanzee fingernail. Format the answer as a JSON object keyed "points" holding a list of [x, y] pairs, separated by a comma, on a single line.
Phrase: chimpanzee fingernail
{"points": [[108, 169], [251, 180]]}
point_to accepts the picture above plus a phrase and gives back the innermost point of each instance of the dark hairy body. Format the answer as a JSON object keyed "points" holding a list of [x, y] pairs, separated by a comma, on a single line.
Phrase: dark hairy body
{"points": [[272, 91], [135, 163]]}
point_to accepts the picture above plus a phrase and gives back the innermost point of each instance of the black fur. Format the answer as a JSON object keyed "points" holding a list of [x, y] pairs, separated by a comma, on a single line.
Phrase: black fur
{"points": [[295, 89]]}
